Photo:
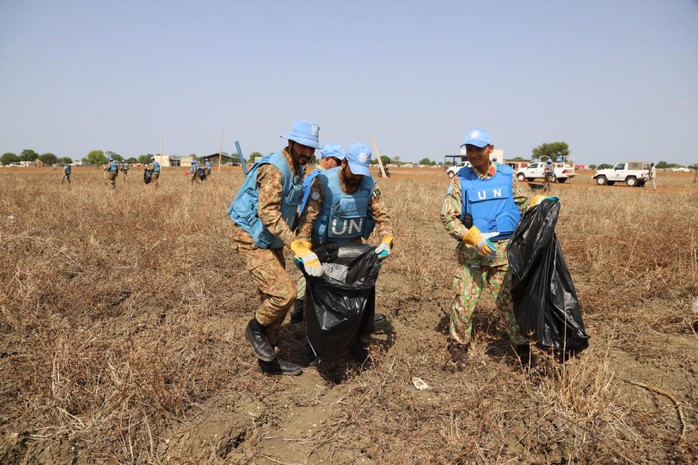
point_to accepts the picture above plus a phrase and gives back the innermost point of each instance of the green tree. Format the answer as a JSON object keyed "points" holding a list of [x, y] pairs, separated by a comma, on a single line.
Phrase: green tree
{"points": [[604, 166], [96, 157], [132, 160], [254, 155], [386, 159], [551, 150], [65, 160], [662, 165], [396, 160], [48, 159], [8, 158], [115, 156], [28, 155], [592, 167], [425, 161], [145, 159]]}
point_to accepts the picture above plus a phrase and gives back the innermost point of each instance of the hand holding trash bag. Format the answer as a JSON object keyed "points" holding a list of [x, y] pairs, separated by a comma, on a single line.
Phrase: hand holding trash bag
{"points": [[539, 198], [383, 250], [310, 261], [484, 246]]}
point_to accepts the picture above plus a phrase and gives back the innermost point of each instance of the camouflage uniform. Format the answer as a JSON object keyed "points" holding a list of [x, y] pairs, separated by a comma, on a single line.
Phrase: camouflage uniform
{"points": [[475, 271], [267, 266], [305, 227]]}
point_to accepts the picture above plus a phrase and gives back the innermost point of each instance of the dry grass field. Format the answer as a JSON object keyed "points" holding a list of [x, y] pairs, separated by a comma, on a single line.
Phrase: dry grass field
{"points": [[121, 336]]}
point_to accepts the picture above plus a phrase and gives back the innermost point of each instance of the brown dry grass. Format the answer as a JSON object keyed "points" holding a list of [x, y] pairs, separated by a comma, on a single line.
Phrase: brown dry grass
{"points": [[122, 312]]}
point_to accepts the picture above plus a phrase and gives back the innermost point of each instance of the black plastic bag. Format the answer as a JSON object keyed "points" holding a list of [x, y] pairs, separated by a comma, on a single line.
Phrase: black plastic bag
{"points": [[147, 176], [201, 173], [340, 304], [545, 301]]}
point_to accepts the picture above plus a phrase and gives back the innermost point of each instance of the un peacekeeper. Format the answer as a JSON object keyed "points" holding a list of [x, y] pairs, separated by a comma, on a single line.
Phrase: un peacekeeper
{"points": [[193, 171], [549, 172], [66, 174], [263, 213], [347, 205], [112, 171], [481, 210], [208, 166], [155, 167], [331, 156], [124, 168]]}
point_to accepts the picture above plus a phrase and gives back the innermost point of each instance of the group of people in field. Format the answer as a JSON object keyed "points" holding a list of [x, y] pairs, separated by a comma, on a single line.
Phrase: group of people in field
{"points": [[278, 206], [151, 172]]}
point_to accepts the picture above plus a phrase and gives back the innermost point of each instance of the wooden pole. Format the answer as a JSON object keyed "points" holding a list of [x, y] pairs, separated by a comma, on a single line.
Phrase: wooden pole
{"points": [[220, 152], [378, 157]]}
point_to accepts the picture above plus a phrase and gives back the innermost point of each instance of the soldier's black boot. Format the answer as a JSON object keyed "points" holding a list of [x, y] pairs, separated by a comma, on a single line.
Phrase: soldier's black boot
{"points": [[255, 336], [297, 312], [279, 367]]}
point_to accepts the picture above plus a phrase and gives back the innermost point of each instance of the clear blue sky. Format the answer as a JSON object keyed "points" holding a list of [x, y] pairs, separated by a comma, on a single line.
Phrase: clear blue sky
{"points": [[614, 79]]}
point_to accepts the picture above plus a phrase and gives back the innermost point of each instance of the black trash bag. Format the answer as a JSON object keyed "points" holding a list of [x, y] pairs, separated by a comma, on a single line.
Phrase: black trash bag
{"points": [[147, 176], [201, 173], [340, 304], [545, 301]]}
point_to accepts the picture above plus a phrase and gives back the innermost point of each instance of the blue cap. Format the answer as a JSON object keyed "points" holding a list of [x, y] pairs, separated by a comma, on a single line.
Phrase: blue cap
{"points": [[306, 133], [358, 157], [111, 159], [478, 138], [332, 150]]}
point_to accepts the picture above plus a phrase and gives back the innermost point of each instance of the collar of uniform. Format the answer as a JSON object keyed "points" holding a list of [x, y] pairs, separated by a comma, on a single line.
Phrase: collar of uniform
{"points": [[490, 172], [290, 161]]}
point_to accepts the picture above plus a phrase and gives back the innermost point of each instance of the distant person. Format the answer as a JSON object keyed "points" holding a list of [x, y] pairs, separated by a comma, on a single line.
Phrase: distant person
{"points": [[331, 156], [548, 172], [482, 220], [155, 167], [112, 171], [194, 172], [653, 176], [124, 168], [66, 174], [208, 166]]}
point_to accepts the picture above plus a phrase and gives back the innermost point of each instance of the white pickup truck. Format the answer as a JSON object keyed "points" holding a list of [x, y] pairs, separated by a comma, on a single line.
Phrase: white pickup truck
{"points": [[633, 173], [563, 172]]}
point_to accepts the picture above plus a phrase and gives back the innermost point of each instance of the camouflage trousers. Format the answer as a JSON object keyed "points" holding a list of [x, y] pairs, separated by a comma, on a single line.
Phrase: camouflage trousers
{"points": [[467, 286], [300, 288], [111, 177], [277, 291], [156, 179]]}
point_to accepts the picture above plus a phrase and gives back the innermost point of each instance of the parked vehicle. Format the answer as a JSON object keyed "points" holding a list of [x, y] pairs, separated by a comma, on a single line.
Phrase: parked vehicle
{"points": [[633, 173], [452, 170], [563, 172]]}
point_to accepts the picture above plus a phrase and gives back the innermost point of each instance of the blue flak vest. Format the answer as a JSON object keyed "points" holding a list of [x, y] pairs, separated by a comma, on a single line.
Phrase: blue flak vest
{"points": [[67, 170], [156, 167], [125, 166], [243, 209], [490, 201], [343, 217], [306, 189], [192, 169], [113, 167], [208, 165]]}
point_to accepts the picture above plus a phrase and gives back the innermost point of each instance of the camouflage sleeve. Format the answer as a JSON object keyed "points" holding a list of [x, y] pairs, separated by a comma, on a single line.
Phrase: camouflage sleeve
{"points": [[519, 197], [312, 208], [380, 214], [452, 209], [270, 187]]}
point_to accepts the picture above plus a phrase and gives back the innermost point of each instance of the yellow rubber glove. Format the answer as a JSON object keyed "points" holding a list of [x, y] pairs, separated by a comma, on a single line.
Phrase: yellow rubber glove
{"points": [[310, 261], [484, 246], [383, 250], [539, 198]]}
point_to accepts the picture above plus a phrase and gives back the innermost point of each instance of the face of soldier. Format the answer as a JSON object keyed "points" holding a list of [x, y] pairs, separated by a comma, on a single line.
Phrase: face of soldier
{"points": [[479, 157], [300, 153], [350, 179], [329, 162]]}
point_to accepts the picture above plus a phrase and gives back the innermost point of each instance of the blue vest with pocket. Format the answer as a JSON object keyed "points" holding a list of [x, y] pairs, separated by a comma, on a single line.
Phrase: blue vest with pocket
{"points": [[490, 201], [343, 217], [156, 167], [67, 170], [125, 166], [113, 167], [306, 188], [243, 209]]}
